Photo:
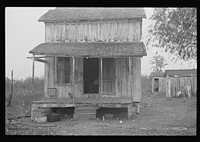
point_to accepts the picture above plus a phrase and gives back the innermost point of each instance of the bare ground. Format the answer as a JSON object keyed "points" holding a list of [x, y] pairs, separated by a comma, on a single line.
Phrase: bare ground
{"points": [[158, 116]]}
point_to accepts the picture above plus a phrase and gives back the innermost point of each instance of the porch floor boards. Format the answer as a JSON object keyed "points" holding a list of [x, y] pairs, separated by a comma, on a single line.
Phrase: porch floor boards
{"points": [[98, 100]]}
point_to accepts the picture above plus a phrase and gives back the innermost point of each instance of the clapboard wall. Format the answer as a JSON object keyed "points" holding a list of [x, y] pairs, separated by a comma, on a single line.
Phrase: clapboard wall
{"points": [[126, 83], [99, 31]]}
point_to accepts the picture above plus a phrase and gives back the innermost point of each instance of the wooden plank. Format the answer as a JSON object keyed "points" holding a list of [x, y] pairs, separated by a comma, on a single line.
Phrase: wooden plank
{"points": [[124, 76], [94, 100], [130, 82], [77, 100], [118, 100], [136, 62], [107, 100], [101, 76], [66, 33], [47, 32], [40, 60], [101, 100], [114, 100], [52, 32]]}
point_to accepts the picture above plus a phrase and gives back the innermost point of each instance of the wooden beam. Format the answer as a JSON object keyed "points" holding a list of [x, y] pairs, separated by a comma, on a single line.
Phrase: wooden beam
{"points": [[33, 68], [40, 60], [37, 57], [73, 75]]}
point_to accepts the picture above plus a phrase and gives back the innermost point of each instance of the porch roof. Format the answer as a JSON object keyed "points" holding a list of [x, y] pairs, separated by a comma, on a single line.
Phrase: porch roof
{"points": [[72, 14], [91, 49], [181, 73]]}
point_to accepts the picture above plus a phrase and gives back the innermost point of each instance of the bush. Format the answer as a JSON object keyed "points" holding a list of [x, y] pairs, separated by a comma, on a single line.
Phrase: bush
{"points": [[25, 86], [24, 92]]}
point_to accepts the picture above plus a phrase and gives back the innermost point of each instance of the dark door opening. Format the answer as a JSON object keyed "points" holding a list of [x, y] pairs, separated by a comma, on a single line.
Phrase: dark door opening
{"points": [[91, 75], [156, 85]]}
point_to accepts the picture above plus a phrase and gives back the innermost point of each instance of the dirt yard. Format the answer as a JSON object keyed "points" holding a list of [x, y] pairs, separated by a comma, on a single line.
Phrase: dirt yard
{"points": [[159, 116]]}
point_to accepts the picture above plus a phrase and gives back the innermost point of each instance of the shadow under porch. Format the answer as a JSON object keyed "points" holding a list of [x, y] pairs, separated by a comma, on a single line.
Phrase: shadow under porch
{"points": [[85, 108]]}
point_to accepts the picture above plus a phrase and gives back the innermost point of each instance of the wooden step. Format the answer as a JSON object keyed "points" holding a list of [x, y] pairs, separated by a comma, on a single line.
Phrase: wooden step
{"points": [[84, 111], [85, 106], [84, 116]]}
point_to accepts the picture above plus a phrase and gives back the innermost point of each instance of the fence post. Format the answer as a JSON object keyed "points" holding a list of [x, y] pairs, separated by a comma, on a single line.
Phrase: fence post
{"points": [[11, 93]]}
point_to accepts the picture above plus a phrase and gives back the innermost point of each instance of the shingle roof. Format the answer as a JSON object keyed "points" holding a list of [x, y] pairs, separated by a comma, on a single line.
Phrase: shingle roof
{"points": [[181, 73], [91, 49], [76, 14]]}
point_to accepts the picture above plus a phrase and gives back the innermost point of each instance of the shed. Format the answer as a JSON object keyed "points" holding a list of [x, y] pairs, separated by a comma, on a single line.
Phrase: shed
{"points": [[180, 80], [92, 57], [174, 81]]}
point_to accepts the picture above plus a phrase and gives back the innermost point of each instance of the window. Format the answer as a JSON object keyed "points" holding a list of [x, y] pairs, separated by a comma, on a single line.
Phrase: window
{"points": [[63, 70]]}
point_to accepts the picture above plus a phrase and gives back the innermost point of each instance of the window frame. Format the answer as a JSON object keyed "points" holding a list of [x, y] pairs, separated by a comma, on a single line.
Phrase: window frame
{"points": [[71, 70]]}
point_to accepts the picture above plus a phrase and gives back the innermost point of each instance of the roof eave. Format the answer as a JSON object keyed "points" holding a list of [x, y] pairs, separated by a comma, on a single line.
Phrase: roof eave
{"points": [[49, 21]]}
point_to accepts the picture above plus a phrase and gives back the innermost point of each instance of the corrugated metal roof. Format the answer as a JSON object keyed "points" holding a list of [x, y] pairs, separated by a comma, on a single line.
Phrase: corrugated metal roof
{"points": [[77, 14], [181, 73], [91, 49]]}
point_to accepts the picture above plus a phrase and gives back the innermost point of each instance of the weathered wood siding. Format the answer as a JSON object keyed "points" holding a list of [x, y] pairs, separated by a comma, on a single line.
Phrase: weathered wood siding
{"points": [[122, 73], [136, 79], [178, 84], [106, 31], [125, 84], [79, 77], [63, 91]]}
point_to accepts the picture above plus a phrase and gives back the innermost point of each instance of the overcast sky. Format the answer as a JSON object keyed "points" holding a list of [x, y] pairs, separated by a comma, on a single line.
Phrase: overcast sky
{"points": [[24, 32]]}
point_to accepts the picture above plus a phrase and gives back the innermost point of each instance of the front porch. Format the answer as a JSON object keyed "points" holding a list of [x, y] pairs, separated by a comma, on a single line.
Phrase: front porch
{"points": [[87, 105]]}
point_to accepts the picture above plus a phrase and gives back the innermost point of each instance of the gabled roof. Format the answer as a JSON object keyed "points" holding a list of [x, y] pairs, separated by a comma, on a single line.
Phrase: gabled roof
{"points": [[76, 14], [181, 73], [93, 49]]}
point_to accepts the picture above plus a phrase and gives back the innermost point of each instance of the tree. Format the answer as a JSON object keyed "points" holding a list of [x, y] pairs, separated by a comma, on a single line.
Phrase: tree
{"points": [[175, 30], [158, 63]]}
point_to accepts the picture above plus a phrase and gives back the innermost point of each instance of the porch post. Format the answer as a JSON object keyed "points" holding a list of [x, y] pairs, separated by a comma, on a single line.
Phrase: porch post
{"points": [[130, 106], [73, 75], [130, 77], [101, 79], [33, 68]]}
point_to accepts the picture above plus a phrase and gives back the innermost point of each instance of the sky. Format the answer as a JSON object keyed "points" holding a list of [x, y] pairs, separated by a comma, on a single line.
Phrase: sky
{"points": [[23, 32]]}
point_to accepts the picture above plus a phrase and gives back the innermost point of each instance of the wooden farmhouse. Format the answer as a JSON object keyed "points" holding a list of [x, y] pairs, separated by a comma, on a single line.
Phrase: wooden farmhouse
{"points": [[92, 59], [174, 81]]}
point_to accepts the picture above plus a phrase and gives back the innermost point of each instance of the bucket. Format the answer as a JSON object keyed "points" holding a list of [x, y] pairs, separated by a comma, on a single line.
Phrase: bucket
{"points": [[41, 119]]}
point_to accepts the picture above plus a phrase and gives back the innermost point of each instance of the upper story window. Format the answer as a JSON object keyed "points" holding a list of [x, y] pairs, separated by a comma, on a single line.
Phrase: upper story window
{"points": [[63, 70]]}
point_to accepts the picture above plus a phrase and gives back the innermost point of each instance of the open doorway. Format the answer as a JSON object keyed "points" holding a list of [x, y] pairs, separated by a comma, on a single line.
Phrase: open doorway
{"points": [[91, 75], [156, 85]]}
